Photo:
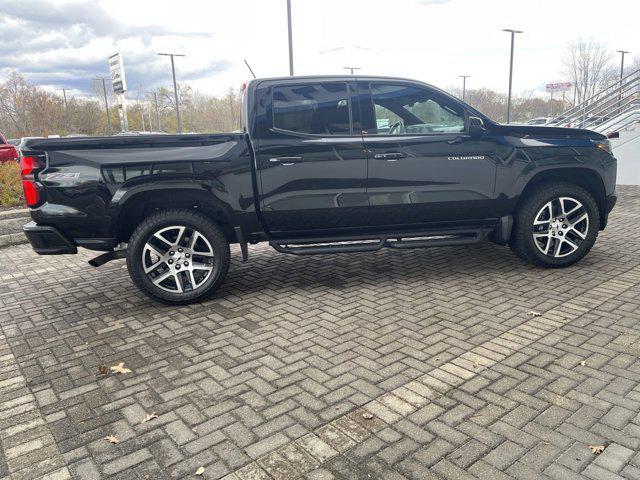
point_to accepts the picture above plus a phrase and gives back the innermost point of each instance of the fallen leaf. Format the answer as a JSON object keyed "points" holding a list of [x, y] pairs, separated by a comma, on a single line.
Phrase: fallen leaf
{"points": [[533, 313], [112, 439], [200, 471], [103, 370], [194, 430], [120, 368], [596, 449], [150, 416], [583, 363], [367, 415]]}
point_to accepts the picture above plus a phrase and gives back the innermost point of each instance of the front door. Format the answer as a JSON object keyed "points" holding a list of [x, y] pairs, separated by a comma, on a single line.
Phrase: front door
{"points": [[311, 161], [423, 166]]}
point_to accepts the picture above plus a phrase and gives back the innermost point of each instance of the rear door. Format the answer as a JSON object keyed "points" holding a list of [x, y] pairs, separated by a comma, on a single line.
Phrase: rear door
{"points": [[423, 166], [310, 157]]}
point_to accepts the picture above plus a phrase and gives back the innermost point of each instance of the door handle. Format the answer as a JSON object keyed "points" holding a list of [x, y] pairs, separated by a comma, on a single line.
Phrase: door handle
{"points": [[391, 156], [285, 160]]}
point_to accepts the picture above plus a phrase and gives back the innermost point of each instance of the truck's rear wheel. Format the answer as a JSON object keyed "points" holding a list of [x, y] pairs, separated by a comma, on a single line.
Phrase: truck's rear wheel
{"points": [[178, 256], [556, 226]]}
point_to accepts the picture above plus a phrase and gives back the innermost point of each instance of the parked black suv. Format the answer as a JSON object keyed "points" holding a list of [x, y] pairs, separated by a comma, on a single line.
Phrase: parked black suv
{"points": [[325, 164]]}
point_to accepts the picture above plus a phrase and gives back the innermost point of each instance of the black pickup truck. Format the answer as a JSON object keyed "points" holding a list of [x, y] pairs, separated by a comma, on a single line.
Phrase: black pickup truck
{"points": [[322, 165]]}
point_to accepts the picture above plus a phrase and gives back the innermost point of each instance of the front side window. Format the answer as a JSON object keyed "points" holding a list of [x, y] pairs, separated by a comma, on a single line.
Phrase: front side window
{"points": [[405, 109], [317, 109]]}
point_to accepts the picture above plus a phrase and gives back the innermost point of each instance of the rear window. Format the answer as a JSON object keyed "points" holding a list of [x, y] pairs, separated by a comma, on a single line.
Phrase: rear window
{"points": [[317, 109]]}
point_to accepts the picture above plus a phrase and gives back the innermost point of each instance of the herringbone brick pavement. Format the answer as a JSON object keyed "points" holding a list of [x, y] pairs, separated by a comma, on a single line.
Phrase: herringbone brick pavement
{"points": [[416, 364]]}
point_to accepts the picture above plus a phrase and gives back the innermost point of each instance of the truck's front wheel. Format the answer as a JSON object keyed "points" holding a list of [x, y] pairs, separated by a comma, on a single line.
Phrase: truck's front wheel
{"points": [[556, 225], [178, 256]]}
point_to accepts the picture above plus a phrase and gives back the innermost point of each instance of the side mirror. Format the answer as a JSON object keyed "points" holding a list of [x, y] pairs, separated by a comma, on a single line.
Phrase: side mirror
{"points": [[476, 127]]}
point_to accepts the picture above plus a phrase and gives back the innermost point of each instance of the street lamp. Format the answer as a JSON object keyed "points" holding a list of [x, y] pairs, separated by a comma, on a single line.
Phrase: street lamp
{"points": [[351, 69], [464, 86], [290, 38], [622, 53], [513, 34], [175, 86]]}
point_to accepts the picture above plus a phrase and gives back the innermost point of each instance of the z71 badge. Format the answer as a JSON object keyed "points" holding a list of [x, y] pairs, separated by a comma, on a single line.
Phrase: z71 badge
{"points": [[467, 157], [61, 176]]}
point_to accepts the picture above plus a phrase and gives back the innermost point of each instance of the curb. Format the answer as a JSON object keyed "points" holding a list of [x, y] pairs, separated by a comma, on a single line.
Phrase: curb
{"points": [[11, 214], [12, 239]]}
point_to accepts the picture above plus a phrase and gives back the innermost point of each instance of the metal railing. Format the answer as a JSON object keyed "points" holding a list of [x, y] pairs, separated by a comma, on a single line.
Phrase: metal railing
{"points": [[616, 100]]}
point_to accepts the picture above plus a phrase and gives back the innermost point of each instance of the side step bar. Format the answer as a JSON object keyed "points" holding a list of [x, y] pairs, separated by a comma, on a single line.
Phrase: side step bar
{"points": [[372, 243]]}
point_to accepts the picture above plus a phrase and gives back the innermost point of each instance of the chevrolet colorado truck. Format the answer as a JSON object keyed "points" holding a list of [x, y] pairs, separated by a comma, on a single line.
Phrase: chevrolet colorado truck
{"points": [[330, 164]]}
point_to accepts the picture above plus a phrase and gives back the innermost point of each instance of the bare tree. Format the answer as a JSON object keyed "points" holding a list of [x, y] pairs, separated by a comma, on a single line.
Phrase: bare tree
{"points": [[27, 110], [587, 65]]}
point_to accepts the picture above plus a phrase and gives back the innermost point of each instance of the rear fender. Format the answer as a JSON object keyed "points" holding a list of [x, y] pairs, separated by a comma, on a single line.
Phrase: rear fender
{"points": [[132, 205]]}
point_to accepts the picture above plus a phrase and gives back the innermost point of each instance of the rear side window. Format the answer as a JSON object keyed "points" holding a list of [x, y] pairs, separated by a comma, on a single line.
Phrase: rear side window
{"points": [[317, 109]]}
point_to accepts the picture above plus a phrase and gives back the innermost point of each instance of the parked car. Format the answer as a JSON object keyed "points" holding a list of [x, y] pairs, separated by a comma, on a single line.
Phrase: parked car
{"points": [[538, 121], [313, 173], [8, 152], [560, 121]]}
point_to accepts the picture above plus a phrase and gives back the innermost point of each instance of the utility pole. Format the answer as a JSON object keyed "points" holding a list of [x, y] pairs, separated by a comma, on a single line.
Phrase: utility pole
{"points": [[513, 34], [290, 38], [106, 103], [351, 69], [155, 101], [622, 54], [175, 86], [464, 86], [66, 108]]}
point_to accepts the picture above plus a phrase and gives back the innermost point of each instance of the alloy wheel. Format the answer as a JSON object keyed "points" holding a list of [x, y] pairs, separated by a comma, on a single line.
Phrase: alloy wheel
{"points": [[560, 226], [178, 259]]}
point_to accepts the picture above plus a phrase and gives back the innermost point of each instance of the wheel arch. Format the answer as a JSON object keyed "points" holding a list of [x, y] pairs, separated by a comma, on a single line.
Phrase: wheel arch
{"points": [[586, 178], [134, 207]]}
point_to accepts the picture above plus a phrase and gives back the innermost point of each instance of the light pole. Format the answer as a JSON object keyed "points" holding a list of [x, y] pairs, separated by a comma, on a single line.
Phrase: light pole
{"points": [[290, 38], [464, 86], [622, 54], [66, 108], [175, 86], [513, 34], [106, 104], [155, 101], [351, 69]]}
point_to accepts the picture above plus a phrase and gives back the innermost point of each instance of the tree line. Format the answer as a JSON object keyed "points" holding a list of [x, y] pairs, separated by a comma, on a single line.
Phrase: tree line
{"points": [[31, 110]]}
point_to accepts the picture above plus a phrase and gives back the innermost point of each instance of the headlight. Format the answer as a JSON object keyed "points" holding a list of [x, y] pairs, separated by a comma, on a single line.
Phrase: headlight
{"points": [[603, 145]]}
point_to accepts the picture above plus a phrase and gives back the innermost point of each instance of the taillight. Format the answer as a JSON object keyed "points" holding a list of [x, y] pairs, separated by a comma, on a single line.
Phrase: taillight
{"points": [[29, 166], [14, 153]]}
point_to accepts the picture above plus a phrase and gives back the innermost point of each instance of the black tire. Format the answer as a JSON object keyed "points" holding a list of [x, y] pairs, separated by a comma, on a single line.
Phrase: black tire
{"points": [[522, 241], [193, 221]]}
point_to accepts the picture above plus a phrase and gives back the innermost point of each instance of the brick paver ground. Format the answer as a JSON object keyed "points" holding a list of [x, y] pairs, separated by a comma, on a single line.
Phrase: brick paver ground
{"points": [[412, 364]]}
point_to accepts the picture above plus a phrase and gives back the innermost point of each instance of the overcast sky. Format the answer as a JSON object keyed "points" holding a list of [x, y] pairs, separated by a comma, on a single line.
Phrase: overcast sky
{"points": [[60, 43]]}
